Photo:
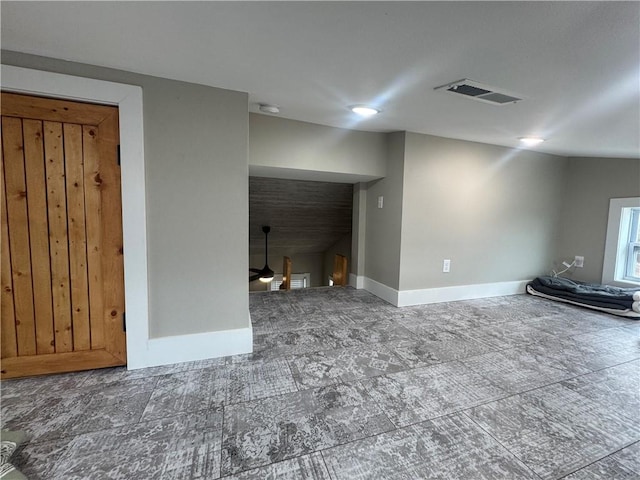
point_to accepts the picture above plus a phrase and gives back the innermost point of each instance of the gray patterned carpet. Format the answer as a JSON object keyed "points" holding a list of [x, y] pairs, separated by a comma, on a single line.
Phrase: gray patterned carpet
{"points": [[344, 386]]}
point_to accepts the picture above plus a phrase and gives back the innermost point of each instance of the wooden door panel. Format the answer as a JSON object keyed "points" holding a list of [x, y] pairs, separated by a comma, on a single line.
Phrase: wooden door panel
{"points": [[112, 248], [62, 258], [7, 322], [18, 226], [74, 175], [39, 234], [92, 201], [58, 363], [65, 111], [58, 233]]}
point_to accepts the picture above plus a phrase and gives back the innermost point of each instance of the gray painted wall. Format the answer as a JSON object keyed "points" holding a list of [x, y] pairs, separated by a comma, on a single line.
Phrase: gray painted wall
{"points": [[591, 183], [383, 225], [285, 148], [197, 198], [499, 214], [358, 229], [491, 210]]}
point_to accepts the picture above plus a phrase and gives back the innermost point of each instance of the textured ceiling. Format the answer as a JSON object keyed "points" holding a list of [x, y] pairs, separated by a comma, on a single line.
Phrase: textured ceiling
{"points": [[576, 64], [305, 217]]}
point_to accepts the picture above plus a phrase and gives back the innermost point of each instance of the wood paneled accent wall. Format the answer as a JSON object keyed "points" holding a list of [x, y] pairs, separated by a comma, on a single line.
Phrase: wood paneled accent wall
{"points": [[305, 217]]}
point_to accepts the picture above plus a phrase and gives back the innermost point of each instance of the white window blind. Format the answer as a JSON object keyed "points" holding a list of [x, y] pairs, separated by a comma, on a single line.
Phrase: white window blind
{"points": [[298, 280]]}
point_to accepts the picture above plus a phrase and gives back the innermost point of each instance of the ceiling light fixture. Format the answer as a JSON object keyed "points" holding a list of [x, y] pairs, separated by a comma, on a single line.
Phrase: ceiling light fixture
{"points": [[531, 141], [266, 108], [364, 110], [264, 274]]}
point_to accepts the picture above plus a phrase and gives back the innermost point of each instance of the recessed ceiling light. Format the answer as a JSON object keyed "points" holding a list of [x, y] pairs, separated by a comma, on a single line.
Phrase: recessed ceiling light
{"points": [[531, 141], [364, 110]]}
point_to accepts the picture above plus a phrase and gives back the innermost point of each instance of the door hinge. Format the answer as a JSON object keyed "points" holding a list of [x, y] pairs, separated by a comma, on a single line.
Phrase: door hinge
{"points": [[124, 322], [118, 153]]}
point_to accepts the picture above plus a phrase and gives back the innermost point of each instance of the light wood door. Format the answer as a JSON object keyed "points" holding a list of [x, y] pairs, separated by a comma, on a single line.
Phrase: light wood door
{"points": [[340, 277], [286, 274], [62, 298]]}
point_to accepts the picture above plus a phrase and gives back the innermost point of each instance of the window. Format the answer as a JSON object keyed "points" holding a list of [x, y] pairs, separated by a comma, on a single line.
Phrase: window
{"points": [[632, 264], [622, 250], [298, 280]]}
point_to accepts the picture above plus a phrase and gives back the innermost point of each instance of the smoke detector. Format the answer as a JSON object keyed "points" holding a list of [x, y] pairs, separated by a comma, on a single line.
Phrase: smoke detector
{"points": [[266, 108], [479, 91]]}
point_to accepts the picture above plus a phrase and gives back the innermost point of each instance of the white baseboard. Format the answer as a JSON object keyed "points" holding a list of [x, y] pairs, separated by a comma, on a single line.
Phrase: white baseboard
{"points": [[460, 292], [198, 346], [356, 281], [405, 298], [381, 290]]}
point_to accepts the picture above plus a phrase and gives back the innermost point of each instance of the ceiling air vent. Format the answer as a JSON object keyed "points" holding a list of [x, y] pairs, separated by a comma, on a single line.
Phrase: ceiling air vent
{"points": [[480, 92]]}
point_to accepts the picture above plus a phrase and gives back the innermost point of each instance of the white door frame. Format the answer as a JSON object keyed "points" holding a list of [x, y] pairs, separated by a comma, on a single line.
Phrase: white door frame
{"points": [[128, 99]]}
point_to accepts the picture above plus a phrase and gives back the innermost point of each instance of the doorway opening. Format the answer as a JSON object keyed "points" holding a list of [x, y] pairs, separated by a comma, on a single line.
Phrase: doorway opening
{"points": [[310, 222]]}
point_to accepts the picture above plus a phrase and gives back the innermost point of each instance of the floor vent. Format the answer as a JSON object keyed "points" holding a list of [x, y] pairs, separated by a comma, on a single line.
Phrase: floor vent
{"points": [[480, 92]]}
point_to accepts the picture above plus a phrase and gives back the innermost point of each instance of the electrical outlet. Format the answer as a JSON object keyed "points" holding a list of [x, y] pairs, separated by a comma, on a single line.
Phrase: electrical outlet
{"points": [[380, 201], [446, 265], [579, 261]]}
